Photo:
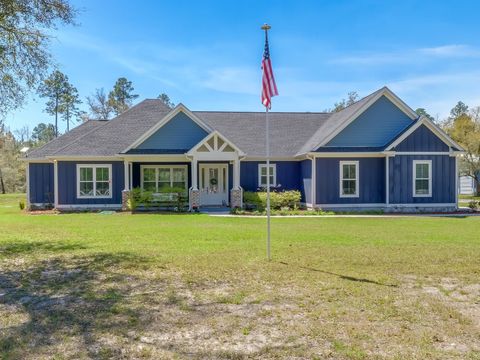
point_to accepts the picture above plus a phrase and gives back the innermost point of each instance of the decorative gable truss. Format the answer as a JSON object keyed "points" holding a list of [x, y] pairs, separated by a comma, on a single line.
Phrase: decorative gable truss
{"points": [[215, 146]]}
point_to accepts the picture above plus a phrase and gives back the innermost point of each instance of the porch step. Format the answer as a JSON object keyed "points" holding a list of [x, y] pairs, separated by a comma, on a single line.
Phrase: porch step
{"points": [[215, 210]]}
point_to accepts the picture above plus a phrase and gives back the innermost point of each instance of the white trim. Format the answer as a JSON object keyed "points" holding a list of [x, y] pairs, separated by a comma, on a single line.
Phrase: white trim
{"points": [[273, 158], [85, 158], [457, 190], [157, 158], [339, 154], [27, 185], [94, 180], [383, 205], [314, 180], [55, 183], [160, 166], [35, 160], [387, 180], [236, 174], [273, 166], [130, 169], [179, 108], [422, 153], [414, 177], [389, 95], [357, 179], [215, 134], [126, 177], [89, 206], [432, 127]]}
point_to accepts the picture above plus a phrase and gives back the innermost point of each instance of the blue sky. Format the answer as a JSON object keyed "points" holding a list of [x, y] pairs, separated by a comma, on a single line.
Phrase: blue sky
{"points": [[206, 54]]}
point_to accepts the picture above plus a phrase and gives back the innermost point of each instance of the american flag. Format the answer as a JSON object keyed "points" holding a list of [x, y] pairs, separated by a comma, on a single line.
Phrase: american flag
{"points": [[269, 88]]}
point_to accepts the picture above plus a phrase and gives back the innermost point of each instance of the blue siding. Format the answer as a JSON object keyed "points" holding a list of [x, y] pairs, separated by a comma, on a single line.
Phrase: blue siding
{"points": [[306, 180], [136, 171], [41, 183], [67, 183], [288, 175], [180, 132], [376, 126], [401, 179], [422, 139], [372, 181]]}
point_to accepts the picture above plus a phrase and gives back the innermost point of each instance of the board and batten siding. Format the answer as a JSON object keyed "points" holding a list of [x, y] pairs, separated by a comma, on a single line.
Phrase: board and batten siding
{"points": [[401, 179], [306, 181], [422, 139], [375, 127], [288, 175], [180, 133], [371, 187], [41, 183], [67, 183]]}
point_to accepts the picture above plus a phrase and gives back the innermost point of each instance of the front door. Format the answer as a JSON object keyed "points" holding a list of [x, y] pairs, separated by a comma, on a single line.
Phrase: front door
{"points": [[213, 184]]}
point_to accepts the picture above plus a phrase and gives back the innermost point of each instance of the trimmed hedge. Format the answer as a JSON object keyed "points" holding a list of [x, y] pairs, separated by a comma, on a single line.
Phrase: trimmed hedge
{"points": [[278, 199], [172, 198]]}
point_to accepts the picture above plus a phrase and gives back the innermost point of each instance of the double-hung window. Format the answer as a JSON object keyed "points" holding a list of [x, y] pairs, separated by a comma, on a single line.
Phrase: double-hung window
{"points": [[349, 179], [94, 181], [422, 178], [157, 178], [262, 175]]}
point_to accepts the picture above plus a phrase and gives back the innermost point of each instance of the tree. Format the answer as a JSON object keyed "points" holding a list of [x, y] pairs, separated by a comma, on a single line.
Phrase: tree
{"points": [[99, 106], [121, 97], [54, 88], [458, 110], [423, 112], [43, 133], [25, 28], [69, 105], [166, 100], [352, 96], [465, 130]]}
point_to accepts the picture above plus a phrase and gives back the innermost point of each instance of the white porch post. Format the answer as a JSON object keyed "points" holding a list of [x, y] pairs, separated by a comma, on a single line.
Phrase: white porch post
{"points": [[55, 183], [126, 176], [236, 174], [194, 172], [387, 180]]}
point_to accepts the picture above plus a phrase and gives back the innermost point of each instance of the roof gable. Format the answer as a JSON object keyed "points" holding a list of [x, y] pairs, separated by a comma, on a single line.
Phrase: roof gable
{"points": [[377, 125], [422, 139]]}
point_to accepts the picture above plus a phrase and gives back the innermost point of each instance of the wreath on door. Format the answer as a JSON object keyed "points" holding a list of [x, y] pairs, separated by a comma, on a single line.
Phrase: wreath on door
{"points": [[213, 181]]}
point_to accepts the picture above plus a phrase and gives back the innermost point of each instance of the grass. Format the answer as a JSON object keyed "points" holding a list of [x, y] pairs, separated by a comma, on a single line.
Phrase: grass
{"points": [[192, 286]]}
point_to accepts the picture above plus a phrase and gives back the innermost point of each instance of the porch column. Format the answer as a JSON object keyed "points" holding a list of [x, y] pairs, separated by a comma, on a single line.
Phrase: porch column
{"points": [[126, 186], [236, 194], [194, 193]]}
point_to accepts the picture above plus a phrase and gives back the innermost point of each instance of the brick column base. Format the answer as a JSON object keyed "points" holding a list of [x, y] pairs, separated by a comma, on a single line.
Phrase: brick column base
{"points": [[125, 196], [194, 196], [236, 198]]}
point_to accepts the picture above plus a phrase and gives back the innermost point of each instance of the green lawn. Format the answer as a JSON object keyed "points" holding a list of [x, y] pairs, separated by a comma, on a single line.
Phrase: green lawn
{"points": [[193, 286]]}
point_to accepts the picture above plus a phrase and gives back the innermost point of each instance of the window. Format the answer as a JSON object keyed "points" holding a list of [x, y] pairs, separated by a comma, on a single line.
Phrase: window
{"points": [[94, 181], [422, 178], [349, 178], [156, 178], [262, 175]]}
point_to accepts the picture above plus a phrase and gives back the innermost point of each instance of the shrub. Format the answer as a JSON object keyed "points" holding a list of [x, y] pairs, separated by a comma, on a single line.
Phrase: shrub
{"points": [[474, 205], [179, 200], [278, 199], [137, 197], [175, 198], [21, 204]]}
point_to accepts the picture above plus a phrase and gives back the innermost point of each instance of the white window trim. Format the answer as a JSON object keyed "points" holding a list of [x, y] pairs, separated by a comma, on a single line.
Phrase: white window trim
{"points": [[142, 167], [95, 166], [414, 177], [357, 179], [274, 173]]}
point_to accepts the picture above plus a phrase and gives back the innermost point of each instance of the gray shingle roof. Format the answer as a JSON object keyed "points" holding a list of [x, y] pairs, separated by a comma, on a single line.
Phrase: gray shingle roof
{"points": [[291, 133]]}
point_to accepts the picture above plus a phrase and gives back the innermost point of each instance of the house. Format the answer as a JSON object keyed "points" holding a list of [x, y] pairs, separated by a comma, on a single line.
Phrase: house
{"points": [[375, 154]]}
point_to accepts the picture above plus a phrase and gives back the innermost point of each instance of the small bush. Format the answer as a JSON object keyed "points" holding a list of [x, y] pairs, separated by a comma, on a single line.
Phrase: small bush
{"points": [[474, 205], [278, 199], [21, 204]]}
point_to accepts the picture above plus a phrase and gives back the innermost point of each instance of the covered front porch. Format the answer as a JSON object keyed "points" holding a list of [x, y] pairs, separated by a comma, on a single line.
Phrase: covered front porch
{"points": [[209, 173]]}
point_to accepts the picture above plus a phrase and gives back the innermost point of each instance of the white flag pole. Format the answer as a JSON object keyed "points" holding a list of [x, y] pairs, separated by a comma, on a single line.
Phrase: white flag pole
{"points": [[267, 27], [267, 145]]}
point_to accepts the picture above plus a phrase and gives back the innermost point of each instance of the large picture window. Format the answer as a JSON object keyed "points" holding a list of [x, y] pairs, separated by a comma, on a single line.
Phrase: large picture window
{"points": [[262, 175], [94, 181], [422, 178], [349, 179], [156, 178]]}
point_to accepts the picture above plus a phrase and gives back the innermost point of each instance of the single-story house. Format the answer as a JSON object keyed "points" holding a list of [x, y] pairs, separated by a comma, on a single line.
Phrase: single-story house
{"points": [[375, 154]]}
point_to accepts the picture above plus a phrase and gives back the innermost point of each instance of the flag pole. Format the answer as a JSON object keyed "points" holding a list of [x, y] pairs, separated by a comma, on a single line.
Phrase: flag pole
{"points": [[267, 27]]}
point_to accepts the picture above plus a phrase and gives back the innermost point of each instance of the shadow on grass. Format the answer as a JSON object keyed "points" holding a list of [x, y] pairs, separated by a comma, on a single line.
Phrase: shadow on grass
{"points": [[63, 299], [343, 277], [26, 247]]}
